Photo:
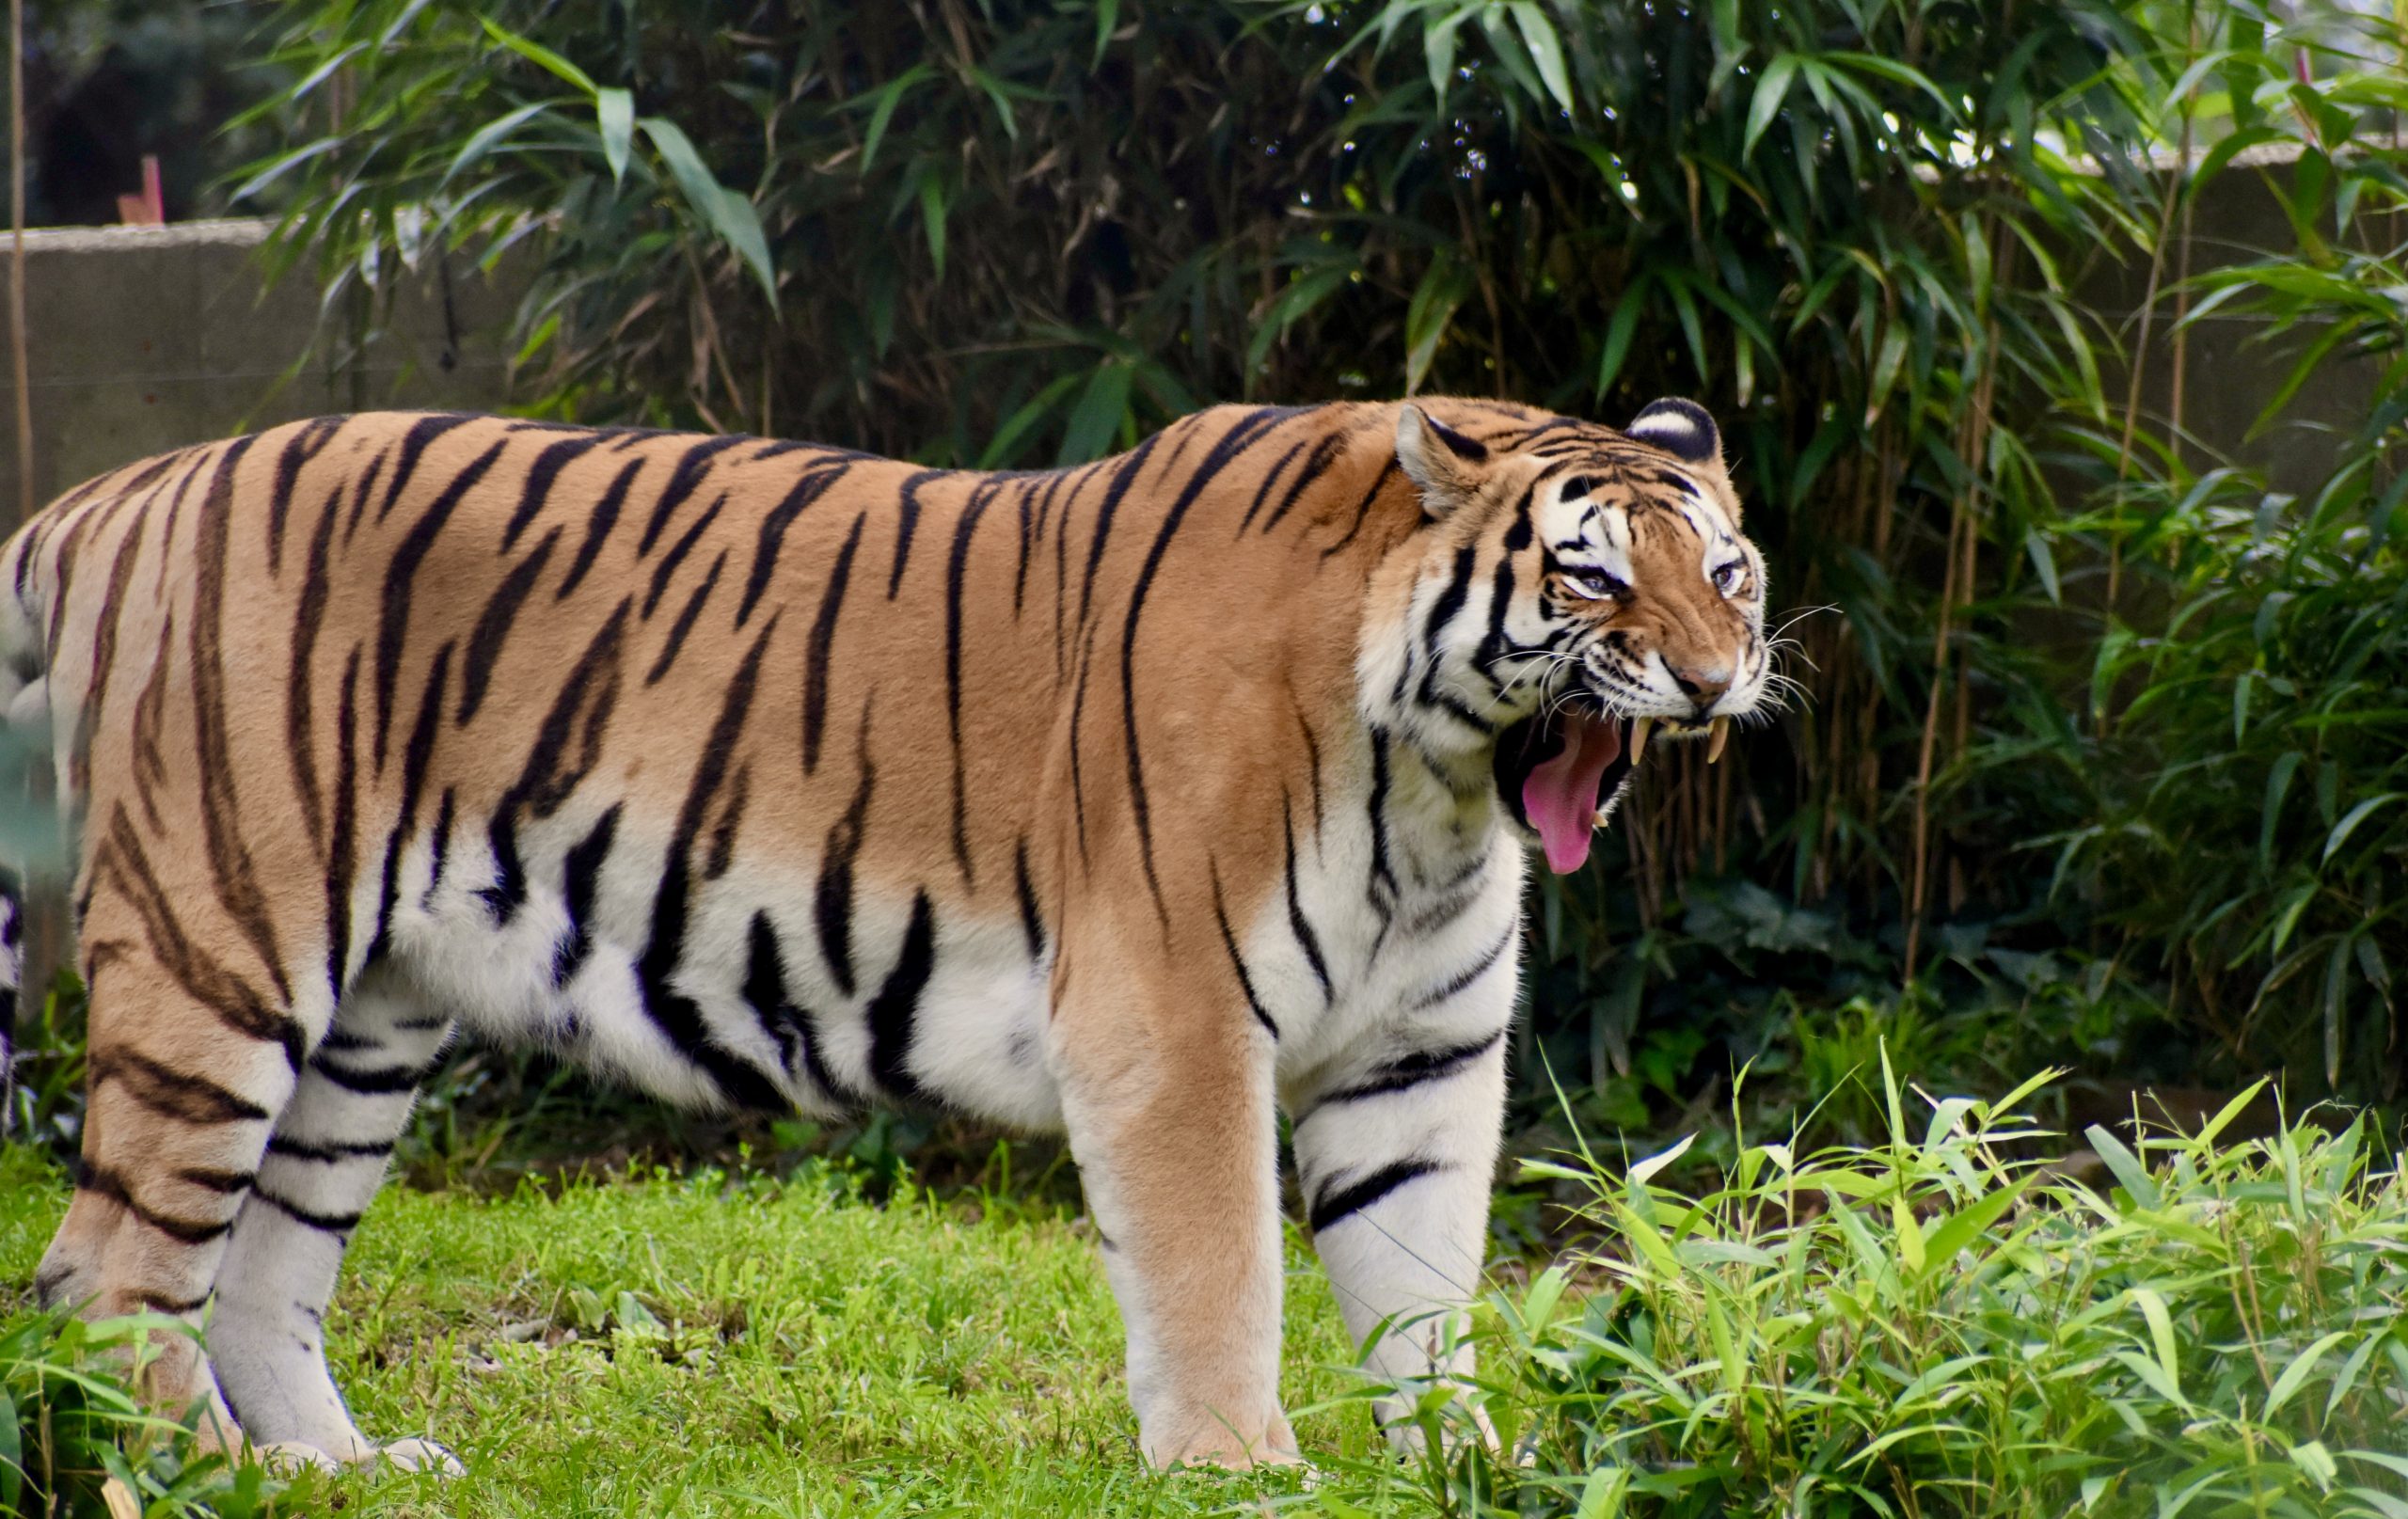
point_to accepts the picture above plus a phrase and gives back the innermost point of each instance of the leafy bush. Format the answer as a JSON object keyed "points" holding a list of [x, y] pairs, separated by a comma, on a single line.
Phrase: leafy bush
{"points": [[2023, 804], [69, 1427], [1936, 1326], [2242, 738]]}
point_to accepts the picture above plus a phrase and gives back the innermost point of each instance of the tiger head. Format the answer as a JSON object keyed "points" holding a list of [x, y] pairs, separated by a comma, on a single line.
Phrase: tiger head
{"points": [[1577, 590]]}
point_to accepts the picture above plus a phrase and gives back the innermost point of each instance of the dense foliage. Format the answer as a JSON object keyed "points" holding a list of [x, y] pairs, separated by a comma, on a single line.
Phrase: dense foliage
{"points": [[2104, 754], [1933, 1327]]}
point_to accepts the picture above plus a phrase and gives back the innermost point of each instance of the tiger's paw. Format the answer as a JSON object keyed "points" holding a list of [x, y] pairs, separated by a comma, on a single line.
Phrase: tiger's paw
{"points": [[1218, 1446]]}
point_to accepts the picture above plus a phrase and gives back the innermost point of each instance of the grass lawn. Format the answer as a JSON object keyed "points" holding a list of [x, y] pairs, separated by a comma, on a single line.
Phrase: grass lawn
{"points": [[709, 1347]]}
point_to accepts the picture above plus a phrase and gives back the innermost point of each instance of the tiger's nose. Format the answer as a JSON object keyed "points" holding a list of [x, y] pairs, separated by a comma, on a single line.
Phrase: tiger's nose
{"points": [[1701, 684]]}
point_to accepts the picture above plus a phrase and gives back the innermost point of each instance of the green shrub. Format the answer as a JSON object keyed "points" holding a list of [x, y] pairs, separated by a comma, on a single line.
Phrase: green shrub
{"points": [[1934, 1326], [69, 1428]]}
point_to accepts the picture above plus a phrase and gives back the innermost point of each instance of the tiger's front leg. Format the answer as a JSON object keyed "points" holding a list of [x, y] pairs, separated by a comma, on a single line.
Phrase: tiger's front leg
{"points": [[1395, 1150], [1166, 1090]]}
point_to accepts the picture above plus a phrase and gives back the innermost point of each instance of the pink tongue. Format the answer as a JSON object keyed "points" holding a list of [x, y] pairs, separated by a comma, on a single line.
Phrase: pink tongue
{"points": [[1560, 796]]}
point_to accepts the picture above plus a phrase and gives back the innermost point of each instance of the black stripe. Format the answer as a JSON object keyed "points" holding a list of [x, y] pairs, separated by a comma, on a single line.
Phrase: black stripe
{"points": [[823, 637], [401, 577], [957, 572], [1123, 476], [224, 1183], [1062, 578], [232, 869], [414, 446], [1493, 649], [1031, 923], [329, 1151], [107, 1183], [308, 441], [581, 870], [684, 623], [1363, 507], [773, 532], [415, 759], [238, 1005], [378, 1081], [1461, 445], [731, 822], [1381, 872], [833, 900], [440, 845], [1461, 980], [1237, 960], [342, 846], [1297, 922], [1025, 498], [543, 785], [172, 1092], [300, 681], [598, 524], [494, 625], [366, 487], [663, 572], [675, 1015], [791, 1028], [1336, 1203], [1313, 753], [1407, 1072], [1270, 478], [1324, 453], [682, 483], [323, 1222], [906, 525], [537, 487], [1442, 611], [892, 1010], [1239, 437]]}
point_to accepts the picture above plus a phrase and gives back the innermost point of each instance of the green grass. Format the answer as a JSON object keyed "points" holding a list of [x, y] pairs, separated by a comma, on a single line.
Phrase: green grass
{"points": [[1949, 1323], [706, 1346], [1945, 1324]]}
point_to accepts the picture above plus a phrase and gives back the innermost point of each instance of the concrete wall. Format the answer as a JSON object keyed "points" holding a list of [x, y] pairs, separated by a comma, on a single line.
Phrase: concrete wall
{"points": [[2231, 367], [143, 340]]}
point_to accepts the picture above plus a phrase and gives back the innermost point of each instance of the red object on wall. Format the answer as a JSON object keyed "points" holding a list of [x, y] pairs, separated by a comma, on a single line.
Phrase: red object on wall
{"points": [[147, 208]]}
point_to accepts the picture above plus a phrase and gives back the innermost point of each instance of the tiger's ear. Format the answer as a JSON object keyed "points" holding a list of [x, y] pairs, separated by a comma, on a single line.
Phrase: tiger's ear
{"points": [[1443, 463], [1681, 428]]}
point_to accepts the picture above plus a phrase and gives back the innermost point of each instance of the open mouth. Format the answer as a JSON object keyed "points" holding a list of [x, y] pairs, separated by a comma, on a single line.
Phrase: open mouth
{"points": [[1556, 770]]}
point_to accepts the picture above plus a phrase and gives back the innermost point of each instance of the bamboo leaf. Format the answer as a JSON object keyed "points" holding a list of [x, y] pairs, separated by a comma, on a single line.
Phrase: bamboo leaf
{"points": [[536, 52], [1546, 50], [2351, 819], [2127, 1167], [1435, 302], [727, 212], [1772, 91], [614, 116]]}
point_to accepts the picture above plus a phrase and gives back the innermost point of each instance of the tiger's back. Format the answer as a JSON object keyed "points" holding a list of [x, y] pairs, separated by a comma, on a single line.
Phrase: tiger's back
{"points": [[551, 718]]}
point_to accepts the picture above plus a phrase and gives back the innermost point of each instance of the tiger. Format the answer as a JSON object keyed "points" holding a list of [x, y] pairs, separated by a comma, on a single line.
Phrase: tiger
{"points": [[1145, 802]]}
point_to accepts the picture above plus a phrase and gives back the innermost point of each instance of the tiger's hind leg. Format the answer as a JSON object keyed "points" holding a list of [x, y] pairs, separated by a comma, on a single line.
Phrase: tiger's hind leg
{"points": [[189, 1067], [324, 1163]]}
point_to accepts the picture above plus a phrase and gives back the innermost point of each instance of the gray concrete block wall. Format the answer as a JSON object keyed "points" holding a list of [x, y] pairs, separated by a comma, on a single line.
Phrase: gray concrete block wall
{"points": [[143, 340]]}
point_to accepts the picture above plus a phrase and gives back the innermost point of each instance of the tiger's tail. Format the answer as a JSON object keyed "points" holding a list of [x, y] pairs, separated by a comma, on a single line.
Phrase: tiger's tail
{"points": [[25, 743]]}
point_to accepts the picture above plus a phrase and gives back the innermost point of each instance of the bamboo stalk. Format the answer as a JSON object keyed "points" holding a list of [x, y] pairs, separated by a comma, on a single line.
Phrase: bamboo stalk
{"points": [[18, 341]]}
